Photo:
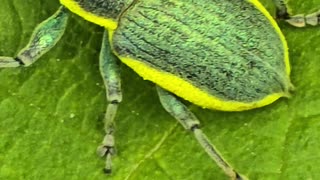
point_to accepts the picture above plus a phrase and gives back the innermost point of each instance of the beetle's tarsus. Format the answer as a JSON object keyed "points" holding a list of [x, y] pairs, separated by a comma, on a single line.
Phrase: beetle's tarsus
{"points": [[302, 20], [107, 150], [102, 151], [7, 62], [299, 20]]}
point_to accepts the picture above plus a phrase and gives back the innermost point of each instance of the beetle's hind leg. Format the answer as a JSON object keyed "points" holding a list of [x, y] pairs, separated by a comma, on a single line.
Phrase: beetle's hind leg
{"points": [[110, 72], [300, 20], [190, 122], [44, 37]]}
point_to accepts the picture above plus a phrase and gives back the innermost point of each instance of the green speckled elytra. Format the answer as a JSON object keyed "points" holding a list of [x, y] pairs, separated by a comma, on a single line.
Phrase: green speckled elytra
{"points": [[225, 55]]}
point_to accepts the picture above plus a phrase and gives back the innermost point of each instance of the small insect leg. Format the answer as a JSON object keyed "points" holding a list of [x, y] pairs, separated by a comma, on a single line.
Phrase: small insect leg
{"points": [[190, 122], [44, 37], [299, 20], [110, 72]]}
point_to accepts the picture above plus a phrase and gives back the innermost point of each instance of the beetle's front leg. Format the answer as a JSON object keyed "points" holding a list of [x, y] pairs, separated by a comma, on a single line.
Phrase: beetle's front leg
{"points": [[299, 20], [110, 72], [190, 122], [44, 37]]}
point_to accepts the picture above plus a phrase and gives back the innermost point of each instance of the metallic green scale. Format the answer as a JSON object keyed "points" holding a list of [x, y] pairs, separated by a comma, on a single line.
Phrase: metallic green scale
{"points": [[210, 48], [103, 8]]}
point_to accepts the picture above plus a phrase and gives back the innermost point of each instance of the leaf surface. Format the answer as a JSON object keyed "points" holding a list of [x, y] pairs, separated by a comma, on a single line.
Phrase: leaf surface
{"points": [[51, 113]]}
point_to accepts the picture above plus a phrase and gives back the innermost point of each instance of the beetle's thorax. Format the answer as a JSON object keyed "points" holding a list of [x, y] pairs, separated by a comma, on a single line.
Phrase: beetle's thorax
{"points": [[102, 12]]}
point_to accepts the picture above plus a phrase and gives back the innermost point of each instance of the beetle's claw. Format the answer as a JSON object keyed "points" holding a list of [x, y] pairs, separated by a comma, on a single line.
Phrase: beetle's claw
{"points": [[282, 14], [238, 177], [107, 171]]}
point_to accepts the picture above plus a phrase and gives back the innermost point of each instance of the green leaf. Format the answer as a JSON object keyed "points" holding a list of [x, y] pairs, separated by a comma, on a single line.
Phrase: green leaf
{"points": [[51, 113]]}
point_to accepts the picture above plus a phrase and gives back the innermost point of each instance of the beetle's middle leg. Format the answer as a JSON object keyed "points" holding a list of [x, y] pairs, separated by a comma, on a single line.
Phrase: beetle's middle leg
{"points": [[190, 122], [300, 20], [110, 72]]}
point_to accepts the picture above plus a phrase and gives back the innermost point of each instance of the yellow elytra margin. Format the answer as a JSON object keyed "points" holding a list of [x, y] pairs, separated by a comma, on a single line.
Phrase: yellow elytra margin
{"points": [[274, 24], [102, 21], [177, 85]]}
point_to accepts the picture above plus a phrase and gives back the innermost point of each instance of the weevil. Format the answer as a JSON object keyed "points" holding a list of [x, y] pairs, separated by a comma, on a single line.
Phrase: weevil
{"points": [[223, 55]]}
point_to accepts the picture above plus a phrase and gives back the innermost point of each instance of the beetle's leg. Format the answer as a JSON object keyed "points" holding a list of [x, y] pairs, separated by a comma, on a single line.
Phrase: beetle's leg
{"points": [[299, 20], [44, 37], [110, 72], [190, 122]]}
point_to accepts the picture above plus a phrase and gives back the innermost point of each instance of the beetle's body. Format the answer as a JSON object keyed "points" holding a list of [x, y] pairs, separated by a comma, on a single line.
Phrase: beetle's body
{"points": [[226, 55]]}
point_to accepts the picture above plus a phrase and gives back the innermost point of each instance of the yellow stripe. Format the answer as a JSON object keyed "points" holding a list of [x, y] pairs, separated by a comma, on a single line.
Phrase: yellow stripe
{"points": [[263, 10], [102, 21], [191, 93]]}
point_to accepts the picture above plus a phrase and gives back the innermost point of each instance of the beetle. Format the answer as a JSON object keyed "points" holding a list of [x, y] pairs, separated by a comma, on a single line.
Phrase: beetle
{"points": [[194, 58]]}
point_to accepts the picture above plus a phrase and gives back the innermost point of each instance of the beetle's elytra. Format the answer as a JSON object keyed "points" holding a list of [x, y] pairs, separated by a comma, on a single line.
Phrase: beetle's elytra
{"points": [[209, 58], [223, 55]]}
